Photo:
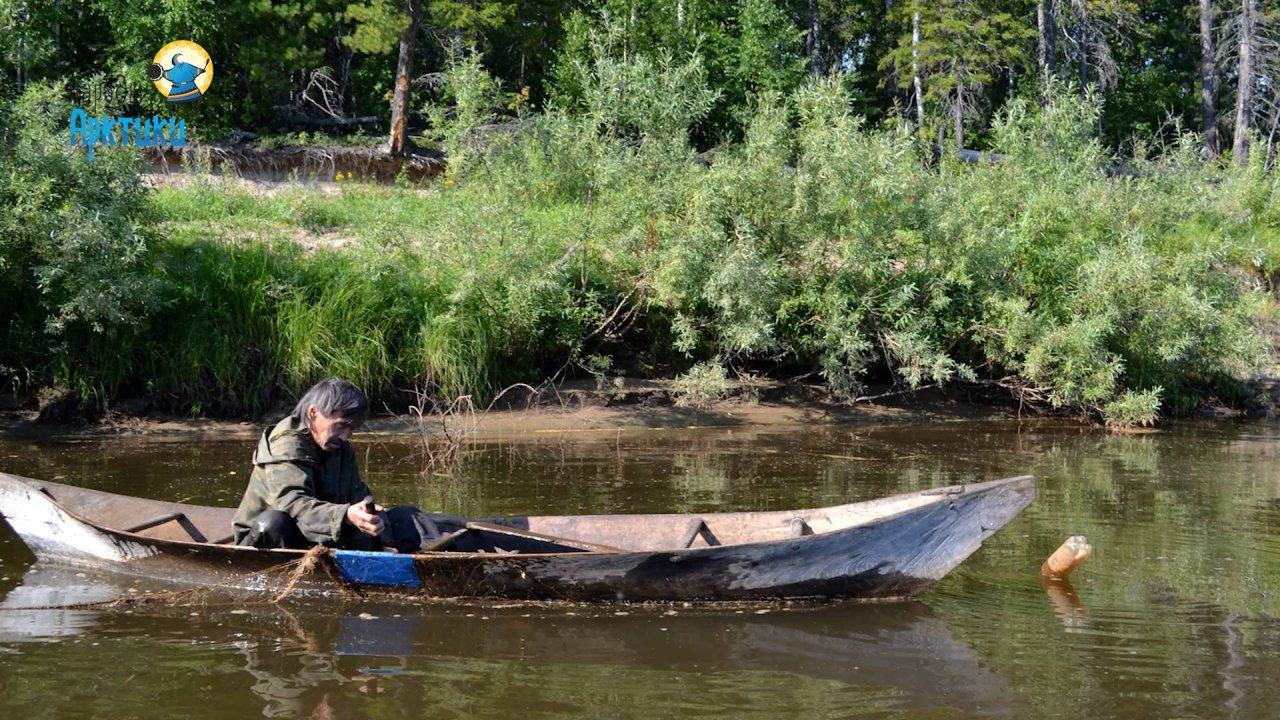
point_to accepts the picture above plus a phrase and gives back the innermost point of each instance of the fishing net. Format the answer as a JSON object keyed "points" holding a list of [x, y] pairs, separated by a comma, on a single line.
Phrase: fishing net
{"points": [[268, 586]]}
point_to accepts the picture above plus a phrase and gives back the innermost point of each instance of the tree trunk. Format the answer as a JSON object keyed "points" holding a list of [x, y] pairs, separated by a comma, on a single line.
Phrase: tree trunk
{"points": [[680, 14], [1045, 25], [1271, 141], [344, 65], [1244, 92], [813, 41], [398, 142], [959, 118], [915, 69], [1208, 81], [1084, 60], [631, 31]]}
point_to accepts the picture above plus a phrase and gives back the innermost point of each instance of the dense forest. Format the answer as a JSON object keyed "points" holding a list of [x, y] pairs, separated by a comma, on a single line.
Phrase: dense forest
{"points": [[1066, 204], [1161, 66]]}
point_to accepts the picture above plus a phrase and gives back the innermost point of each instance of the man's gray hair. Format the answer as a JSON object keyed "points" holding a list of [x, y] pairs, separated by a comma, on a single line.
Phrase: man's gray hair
{"points": [[333, 397]]}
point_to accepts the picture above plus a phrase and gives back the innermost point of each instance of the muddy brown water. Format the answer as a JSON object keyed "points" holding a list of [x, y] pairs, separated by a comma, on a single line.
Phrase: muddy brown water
{"points": [[1176, 615]]}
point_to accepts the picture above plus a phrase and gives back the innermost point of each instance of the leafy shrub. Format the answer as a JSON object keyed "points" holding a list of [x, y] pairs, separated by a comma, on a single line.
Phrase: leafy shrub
{"points": [[469, 96], [75, 275], [701, 386], [594, 236]]}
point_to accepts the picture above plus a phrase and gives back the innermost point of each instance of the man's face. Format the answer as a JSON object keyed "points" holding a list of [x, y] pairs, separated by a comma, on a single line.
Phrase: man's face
{"points": [[329, 431]]}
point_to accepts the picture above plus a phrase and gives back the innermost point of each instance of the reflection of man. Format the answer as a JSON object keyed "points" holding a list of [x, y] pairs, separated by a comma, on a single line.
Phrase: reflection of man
{"points": [[295, 678], [304, 667], [183, 76]]}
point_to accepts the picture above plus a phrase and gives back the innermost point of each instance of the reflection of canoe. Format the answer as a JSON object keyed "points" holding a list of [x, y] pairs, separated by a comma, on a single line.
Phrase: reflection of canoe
{"points": [[893, 547], [901, 646], [43, 606], [901, 653], [898, 656]]}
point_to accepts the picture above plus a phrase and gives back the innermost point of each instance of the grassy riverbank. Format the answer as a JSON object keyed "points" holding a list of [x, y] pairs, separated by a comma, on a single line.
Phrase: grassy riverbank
{"points": [[593, 243]]}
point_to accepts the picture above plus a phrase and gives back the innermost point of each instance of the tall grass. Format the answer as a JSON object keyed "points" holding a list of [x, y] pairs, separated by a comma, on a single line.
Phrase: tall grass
{"points": [[434, 289]]}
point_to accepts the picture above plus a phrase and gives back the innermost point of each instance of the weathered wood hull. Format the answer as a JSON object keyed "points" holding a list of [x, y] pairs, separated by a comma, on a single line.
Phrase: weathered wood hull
{"points": [[917, 539]]}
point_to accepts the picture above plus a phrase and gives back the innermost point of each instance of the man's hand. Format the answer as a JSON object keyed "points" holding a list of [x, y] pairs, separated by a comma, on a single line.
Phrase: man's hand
{"points": [[369, 523]]}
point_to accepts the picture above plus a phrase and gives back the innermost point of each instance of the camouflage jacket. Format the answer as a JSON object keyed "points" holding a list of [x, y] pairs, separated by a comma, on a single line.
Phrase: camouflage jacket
{"points": [[292, 474]]}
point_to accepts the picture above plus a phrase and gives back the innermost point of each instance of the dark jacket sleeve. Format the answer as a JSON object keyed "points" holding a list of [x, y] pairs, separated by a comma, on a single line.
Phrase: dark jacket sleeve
{"points": [[290, 487]]}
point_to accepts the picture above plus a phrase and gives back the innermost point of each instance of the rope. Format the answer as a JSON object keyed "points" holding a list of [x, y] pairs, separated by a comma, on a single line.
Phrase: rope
{"points": [[305, 565]]}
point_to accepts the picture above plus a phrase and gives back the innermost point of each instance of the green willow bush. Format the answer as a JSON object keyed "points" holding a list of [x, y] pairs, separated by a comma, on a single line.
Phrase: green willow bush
{"points": [[75, 276], [595, 236]]}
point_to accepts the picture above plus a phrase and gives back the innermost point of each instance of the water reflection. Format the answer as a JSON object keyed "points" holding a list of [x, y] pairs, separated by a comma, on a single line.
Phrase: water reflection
{"points": [[322, 660], [1066, 603], [43, 605], [1174, 616]]}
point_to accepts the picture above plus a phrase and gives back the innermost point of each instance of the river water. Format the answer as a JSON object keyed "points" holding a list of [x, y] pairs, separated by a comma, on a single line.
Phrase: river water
{"points": [[1176, 616]]}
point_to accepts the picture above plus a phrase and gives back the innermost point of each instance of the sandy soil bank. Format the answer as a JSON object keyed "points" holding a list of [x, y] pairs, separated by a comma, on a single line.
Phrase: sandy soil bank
{"points": [[636, 406]]}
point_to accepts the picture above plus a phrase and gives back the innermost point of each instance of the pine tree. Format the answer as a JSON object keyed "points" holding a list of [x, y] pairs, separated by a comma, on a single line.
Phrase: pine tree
{"points": [[962, 46]]}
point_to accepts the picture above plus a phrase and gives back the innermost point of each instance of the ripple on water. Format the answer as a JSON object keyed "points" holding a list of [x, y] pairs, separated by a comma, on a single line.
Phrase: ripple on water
{"points": [[1174, 616]]}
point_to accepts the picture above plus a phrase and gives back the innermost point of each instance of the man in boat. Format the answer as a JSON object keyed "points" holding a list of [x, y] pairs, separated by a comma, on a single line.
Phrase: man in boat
{"points": [[306, 490]]}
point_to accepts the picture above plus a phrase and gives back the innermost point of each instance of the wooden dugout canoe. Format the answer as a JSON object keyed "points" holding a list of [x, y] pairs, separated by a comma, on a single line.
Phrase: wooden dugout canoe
{"points": [[889, 548]]}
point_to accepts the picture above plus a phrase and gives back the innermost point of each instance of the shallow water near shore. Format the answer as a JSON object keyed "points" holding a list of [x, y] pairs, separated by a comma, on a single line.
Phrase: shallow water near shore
{"points": [[1176, 615]]}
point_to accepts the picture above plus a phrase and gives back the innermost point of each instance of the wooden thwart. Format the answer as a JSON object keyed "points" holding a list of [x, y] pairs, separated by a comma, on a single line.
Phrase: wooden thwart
{"points": [[154, 521], [443, 541], [181, 518], [539, 537], [698, 526]]}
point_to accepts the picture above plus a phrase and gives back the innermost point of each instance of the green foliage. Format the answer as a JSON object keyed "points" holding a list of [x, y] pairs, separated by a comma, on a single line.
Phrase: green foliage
{"points": [[214, 345], [26, 42], [975, 55], [701, 386], [1104, 304], [742, 48], [378, 25], [74, 253], [962, 48], [627, 93], [469, 97], [590, 236], [469, 300], [471, 18], [137, 30], [768, 50], [1133, 409]]}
